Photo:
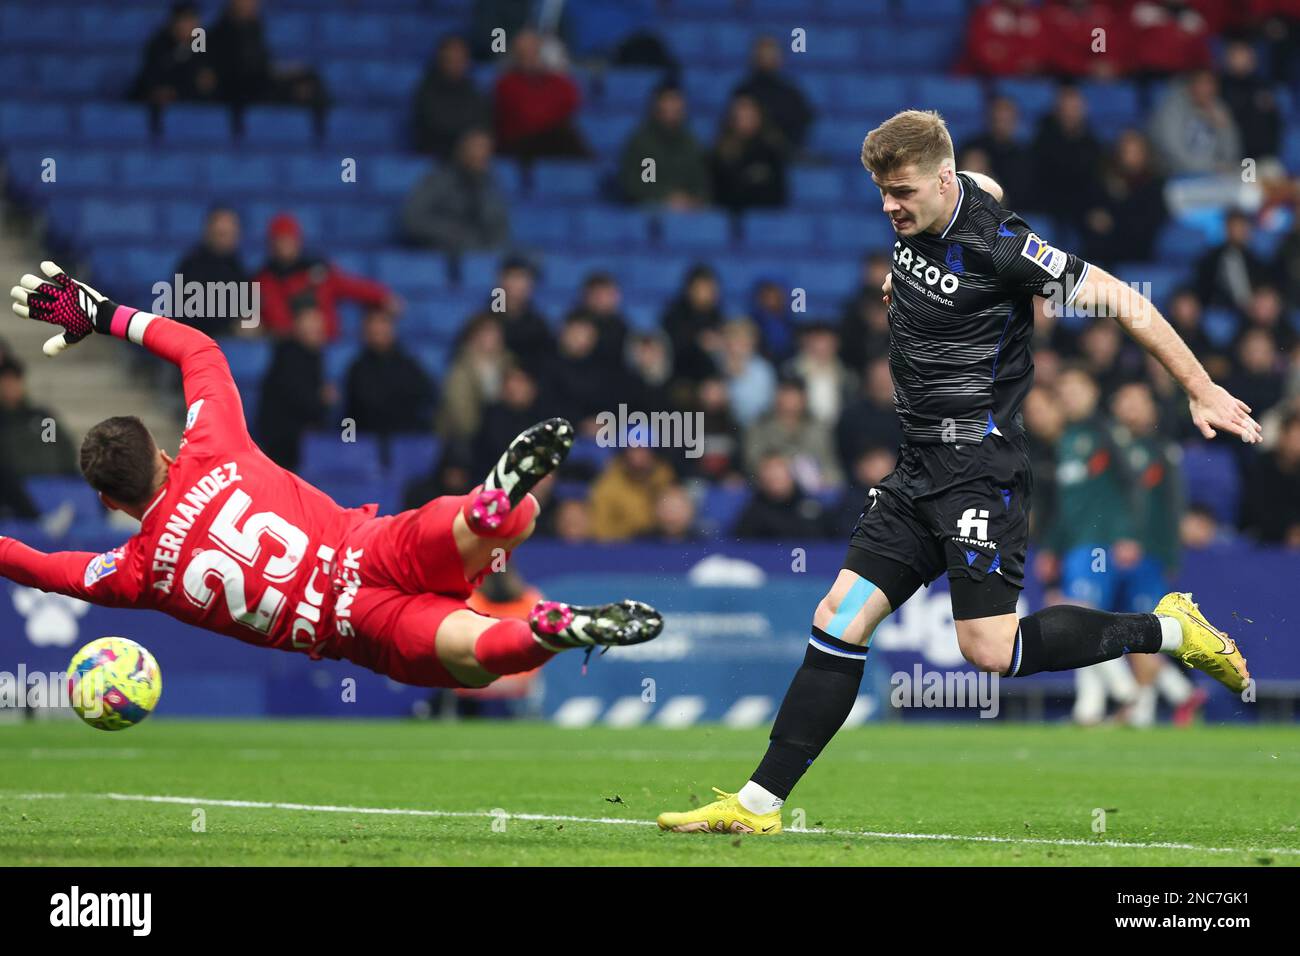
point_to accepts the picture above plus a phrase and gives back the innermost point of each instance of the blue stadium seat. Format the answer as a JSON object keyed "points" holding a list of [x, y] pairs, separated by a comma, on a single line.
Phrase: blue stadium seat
{"points": [[840, 140], [630, 88], [855, 9], [16, 74], [934, 11], [478, 270], [784, 229], [1180, 243], [904, 47], [392, 176], [182, 221], [104, 219], [354, 261], [606, 133], [1213, 478], [24, 122], [950, 95], [354, 490], [118, 24], [325, 453], [75, 169], [248, 358], [868, 96], [413, 270], [339, 357], [660, 275], [720, 509], [411, 456], [816, 186], [1111, 105], [586, 451], [433, 357], [291, 35], [310, 174], [158, 171], [351, 33], [104, 123], [868, 231], [49, 492], [509, 178], [241, 174], [690, 42], [707, 91], [1034, 96], [362, 129], [277, 126], [827, 45], [540, 226], [1220, 326], [200, 125], [562, 179], [827, 282], [696, 230], [22, 25], [600, 225], [360, 223], [643, 315]]}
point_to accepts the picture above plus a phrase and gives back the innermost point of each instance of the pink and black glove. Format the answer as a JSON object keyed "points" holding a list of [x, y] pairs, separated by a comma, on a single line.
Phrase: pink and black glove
{"points": [[63, 301]]}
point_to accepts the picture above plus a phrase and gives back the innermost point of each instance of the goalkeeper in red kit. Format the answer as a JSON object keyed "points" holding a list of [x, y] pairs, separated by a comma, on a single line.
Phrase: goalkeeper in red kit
{"points": [[231, 542]]}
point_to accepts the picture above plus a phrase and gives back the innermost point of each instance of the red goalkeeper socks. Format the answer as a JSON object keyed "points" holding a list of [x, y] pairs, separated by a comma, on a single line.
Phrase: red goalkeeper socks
{"points": [[508, 647]]}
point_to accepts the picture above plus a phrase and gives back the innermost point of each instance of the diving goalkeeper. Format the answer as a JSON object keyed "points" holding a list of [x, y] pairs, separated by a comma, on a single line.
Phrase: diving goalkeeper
{"points": [[233, 543]]}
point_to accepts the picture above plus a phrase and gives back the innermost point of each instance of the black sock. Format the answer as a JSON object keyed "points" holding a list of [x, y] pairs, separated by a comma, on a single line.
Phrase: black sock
{"points": [[1064, 637], [815, 707]]}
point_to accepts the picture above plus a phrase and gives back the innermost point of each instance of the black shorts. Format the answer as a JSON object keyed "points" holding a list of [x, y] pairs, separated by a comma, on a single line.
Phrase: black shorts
{"points": [[959, 508]]}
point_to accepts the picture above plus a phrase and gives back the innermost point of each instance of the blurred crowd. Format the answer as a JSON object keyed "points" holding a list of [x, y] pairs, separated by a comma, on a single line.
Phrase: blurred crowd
{"points": [[796, 409]]}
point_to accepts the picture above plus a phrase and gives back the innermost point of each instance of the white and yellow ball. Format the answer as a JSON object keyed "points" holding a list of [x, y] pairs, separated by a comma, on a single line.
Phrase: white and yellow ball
{"points": [[114, 683]]}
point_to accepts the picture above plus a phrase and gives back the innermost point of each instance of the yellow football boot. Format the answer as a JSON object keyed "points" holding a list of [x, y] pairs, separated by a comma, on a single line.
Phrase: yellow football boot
{"points": [[1205, 647], [724, 815]]}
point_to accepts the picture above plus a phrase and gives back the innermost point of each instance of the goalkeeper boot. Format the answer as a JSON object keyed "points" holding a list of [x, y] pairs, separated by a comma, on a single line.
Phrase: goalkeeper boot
{"points": [[724, 815], [1204, 646], [534, 454], [558, 626]]}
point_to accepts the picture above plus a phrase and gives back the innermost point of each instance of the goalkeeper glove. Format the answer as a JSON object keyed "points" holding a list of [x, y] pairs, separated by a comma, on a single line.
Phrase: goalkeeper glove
{"points": [[63, 301]]}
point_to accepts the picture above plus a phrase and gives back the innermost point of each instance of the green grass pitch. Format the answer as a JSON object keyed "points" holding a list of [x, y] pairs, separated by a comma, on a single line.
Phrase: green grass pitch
{"points": [[891, 794]]}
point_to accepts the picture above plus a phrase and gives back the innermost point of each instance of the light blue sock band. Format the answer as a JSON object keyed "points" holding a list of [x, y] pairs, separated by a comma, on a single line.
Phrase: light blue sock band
{"points": [[849, 607]]}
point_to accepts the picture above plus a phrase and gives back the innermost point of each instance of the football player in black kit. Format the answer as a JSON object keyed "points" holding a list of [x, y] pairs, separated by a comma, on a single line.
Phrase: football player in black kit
{"points": [[965, 271]]}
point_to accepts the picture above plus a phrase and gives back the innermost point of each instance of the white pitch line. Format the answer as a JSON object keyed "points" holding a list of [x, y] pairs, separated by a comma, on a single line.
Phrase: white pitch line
{"points": [[620, 821]]}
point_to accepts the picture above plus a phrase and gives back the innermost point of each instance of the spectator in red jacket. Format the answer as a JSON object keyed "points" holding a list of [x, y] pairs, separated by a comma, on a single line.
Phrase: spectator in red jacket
{"points": [[1078, 49], [535, 105], [1168, 36], [290, 279], [1006, 38]]}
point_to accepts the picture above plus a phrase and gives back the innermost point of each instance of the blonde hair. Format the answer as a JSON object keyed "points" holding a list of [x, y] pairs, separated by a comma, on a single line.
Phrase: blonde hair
{"points": [[911, 138]]}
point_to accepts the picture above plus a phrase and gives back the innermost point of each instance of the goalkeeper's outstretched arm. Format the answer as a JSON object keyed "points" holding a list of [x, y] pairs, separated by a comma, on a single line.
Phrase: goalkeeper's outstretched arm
{"points": [[216, 412]]}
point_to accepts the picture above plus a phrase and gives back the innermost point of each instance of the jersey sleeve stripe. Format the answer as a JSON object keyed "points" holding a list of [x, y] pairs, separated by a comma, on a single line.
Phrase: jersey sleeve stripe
{"points": [[1079, 284]]}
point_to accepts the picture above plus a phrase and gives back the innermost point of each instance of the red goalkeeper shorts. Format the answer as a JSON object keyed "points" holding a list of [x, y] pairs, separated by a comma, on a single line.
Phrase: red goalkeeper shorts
{"points": [[411, 578]]}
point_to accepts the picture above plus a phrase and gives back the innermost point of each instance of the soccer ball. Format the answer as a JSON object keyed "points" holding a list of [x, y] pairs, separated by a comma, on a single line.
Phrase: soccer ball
{"points": [[114, 683]]}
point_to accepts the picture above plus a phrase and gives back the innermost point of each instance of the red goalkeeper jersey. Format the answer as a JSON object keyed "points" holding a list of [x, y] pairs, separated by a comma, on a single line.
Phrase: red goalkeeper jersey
{"points": [[232, 542]]}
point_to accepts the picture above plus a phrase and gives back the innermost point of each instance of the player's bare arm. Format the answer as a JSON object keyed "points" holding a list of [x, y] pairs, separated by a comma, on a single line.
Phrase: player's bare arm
{"points": [[986, 183], [1212, 406]]}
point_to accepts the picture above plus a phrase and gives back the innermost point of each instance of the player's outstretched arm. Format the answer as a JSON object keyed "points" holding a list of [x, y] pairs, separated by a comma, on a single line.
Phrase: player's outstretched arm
{"points": [[78, 574], [79, 310], [1212, 406]]}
